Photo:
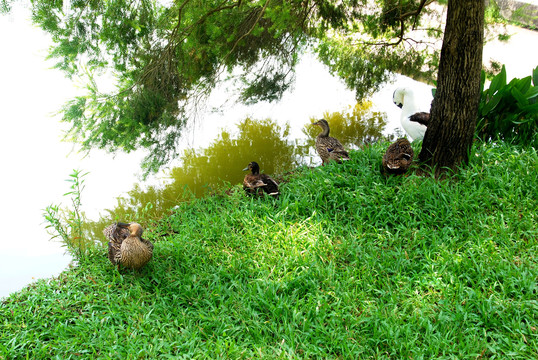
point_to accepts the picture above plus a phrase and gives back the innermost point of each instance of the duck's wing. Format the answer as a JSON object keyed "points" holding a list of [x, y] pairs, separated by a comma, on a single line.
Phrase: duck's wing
{"points": [[148, 243], [253, 182], [422, 118], [114, 252], [115, 233], [109, 232], [405, 148], [330, 148], [336, 150], [115, 236], [334, 145], [271, 186], [398, 157], [338, 155]]}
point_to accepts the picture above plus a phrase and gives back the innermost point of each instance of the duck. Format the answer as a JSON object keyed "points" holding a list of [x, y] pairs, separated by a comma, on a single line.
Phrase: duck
{"points": [[328, 147], [413, 121], [398, 157], [259, 184], [126, 246]]}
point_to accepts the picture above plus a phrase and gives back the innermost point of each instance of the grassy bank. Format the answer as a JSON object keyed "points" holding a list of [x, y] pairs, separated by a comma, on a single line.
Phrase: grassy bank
{"points": [[346, 264]]}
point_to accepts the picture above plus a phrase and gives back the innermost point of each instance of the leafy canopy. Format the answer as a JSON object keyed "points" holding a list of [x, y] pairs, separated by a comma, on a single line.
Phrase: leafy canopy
{"points": [[167, 56]]}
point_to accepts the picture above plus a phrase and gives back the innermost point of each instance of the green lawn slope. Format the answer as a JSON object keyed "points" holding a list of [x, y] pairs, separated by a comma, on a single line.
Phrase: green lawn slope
{"points": [[347, 264]]}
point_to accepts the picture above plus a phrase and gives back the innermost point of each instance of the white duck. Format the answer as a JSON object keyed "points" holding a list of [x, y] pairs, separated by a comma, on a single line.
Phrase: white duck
{"points": [[413, 121]]}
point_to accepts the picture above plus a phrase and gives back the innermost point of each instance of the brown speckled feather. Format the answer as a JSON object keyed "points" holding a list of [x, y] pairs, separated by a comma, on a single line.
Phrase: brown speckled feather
{"points": [[329, 148], [259, 184], [398, 157], [127, 247], [115, 236]]}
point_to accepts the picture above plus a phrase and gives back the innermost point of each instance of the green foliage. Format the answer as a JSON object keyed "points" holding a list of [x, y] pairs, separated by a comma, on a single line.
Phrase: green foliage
{"points": [[68, 224], [509, 111], [365, 53], [346, 264], [5, 6], [166, 57]]}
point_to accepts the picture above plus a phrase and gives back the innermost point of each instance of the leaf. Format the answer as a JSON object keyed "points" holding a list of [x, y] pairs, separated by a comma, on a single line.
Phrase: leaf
{"points": [[532, 93], [523, 85], [535, 76], [498, 82], [525, 121], [531, 109], [492, 103], [520, 98]]}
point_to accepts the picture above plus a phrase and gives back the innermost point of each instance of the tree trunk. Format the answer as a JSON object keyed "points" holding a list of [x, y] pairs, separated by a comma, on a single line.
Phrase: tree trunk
{"points": [[449, 136]]}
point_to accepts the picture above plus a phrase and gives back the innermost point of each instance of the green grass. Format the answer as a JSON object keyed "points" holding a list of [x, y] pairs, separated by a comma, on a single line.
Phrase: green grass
{"points": [[347, 264]]}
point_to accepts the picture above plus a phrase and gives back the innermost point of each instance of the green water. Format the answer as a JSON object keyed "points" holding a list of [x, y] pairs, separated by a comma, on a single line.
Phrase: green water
{"points": [[219, 166]]}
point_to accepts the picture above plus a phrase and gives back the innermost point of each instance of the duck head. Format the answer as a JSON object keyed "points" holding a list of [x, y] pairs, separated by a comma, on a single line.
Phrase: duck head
{"points": [[324, 125], [134, 228], [253, 166]]}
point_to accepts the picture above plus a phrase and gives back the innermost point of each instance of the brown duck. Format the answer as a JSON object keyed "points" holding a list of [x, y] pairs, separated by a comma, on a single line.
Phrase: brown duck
{"points": [[259, 184], [328, 147], [398, 157], [126, 246]]}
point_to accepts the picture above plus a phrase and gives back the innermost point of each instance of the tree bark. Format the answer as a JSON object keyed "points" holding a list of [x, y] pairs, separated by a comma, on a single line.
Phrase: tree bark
{"points": [[449, 136]]}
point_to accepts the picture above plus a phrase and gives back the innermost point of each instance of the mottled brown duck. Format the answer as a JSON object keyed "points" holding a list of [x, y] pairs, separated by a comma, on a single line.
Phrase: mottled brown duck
{"points": [[328, 147], [259, 184], [398, 157], [126, 246]]}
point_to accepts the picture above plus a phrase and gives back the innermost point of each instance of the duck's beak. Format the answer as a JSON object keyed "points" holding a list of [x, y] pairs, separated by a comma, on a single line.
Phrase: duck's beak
{"points": [[245, 169]]}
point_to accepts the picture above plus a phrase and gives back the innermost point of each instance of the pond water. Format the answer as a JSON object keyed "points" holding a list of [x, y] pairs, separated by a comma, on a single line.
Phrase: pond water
{"points": [[218, 166], [35, 162]]}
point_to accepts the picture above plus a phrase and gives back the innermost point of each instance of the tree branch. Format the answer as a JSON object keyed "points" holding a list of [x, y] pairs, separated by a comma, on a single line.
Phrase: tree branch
{"points": [[262, 11], [416, 13]]}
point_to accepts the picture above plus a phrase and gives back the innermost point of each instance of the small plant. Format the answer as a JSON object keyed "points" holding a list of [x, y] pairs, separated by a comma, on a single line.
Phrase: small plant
{"points": [[509, 112], [68, 224]]}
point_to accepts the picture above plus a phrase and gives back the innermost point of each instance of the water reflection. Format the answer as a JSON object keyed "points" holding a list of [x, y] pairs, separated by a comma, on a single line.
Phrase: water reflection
{"points": [[220, 165], [354, 127], [263, 141]]}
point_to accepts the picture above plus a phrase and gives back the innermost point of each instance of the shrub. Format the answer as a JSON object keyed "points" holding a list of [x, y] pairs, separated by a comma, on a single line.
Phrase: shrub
{"points": [[67, 224], [509, 112]]}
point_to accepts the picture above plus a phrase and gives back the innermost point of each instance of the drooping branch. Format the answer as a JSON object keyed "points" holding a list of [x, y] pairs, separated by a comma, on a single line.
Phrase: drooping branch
{"points": [[401, 19], [162, 71], [246, 33], [419, 10]]}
